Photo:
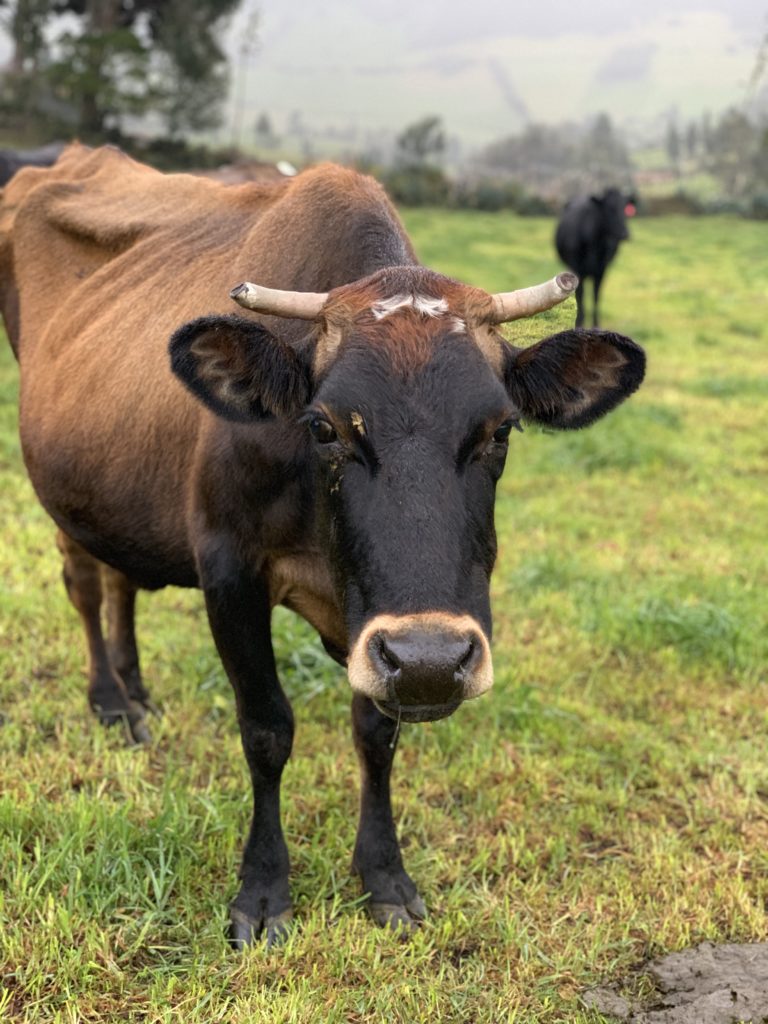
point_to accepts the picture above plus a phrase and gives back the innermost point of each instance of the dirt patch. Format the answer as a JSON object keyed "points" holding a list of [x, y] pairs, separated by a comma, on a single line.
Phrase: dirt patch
{"points": [[706, 985]]}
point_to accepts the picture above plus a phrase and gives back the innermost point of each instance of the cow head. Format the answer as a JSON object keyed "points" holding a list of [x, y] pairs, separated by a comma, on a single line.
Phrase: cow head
{"points": [[614, 207], [409, 397]]}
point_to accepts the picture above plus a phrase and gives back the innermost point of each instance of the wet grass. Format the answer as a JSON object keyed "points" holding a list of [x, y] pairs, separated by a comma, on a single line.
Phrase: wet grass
{"points": [[609, 800]]}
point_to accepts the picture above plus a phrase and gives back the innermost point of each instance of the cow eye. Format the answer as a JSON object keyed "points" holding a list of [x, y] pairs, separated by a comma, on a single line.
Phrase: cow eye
{"points": [[322, 431], [504, 429]]}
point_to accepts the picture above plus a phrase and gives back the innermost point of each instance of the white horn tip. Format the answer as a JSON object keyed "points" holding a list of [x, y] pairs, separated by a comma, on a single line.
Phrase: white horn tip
{"points": [[245, 294], [567, 282]]}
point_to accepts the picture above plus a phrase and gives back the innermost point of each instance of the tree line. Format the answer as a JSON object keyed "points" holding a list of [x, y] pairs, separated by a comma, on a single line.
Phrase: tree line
{"points": [[538, 168]]}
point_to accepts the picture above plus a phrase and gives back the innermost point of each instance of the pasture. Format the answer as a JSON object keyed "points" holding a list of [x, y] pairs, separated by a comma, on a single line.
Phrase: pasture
{"points": [[606, 802]]}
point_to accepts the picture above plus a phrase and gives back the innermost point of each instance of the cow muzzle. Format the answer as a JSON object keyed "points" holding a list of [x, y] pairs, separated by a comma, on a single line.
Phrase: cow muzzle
{"points": [[419, 668]]}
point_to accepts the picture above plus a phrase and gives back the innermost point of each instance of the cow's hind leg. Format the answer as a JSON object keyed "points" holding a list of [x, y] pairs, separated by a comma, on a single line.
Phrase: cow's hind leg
{"points": [[120, 601], [107, 692], [392, 897], [239, 613]]}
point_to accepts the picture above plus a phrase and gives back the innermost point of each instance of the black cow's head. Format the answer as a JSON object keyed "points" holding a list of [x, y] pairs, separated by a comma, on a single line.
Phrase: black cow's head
{"points": [[614, 207], [409, 396]]}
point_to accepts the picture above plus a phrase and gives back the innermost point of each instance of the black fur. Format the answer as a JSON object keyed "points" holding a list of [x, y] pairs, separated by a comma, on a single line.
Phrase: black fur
{"points": [[589, 233], [550, 380], [269, 377]]}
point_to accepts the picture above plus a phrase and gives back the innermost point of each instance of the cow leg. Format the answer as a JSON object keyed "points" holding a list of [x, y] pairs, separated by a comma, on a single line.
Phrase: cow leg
{"points": [[107, 694], [580, 303], [239, 613], [597, 281], [120, 600], [393, 900]]}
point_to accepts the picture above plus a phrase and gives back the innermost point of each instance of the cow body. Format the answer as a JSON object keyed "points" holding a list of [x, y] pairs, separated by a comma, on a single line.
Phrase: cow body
{"points": [[588, 236], [345, 468], [248, 170]]}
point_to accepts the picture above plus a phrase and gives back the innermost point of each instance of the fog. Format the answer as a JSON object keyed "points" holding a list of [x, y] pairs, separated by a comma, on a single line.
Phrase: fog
{"points": [[488, 67]]}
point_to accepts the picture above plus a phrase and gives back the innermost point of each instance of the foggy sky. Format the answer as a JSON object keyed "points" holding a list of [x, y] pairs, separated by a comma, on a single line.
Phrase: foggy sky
{"points": [[485, 66]]}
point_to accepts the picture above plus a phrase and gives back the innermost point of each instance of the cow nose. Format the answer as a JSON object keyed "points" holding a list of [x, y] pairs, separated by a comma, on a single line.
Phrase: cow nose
{"points": [[420, 667], [425, 668]]}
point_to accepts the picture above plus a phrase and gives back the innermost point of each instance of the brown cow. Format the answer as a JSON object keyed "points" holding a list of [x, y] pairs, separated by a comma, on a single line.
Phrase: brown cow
{"points": [[336, 451], [247, 170]]}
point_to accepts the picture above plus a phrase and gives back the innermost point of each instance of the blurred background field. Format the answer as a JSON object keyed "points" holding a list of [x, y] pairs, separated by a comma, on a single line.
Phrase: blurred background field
{"points": [[607, 801], [485, 106]]}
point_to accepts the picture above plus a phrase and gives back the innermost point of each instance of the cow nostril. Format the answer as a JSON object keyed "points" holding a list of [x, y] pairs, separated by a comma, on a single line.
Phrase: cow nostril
{"points": [[467, 658], [386, 655]]}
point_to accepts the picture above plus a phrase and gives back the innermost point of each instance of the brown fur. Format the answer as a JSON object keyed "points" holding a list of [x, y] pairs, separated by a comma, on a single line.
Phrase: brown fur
{"points": [[408, 335], [105, 258]]}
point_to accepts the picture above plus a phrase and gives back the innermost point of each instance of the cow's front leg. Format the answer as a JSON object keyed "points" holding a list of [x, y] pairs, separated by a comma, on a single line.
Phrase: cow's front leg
{"points": [[239, 614], [393, 900], [580, 303]]}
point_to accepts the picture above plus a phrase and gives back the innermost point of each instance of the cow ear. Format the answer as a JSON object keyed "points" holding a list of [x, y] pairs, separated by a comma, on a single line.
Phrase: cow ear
{"points": [[239, 369], [571, 379]]}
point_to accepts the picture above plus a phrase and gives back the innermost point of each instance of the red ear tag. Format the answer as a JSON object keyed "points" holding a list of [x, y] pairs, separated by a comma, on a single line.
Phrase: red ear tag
{"points": [[630, 210]]}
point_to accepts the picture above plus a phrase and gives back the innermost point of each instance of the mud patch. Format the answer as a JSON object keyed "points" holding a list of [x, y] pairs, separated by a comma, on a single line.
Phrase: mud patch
{"points": [[710, 984]]}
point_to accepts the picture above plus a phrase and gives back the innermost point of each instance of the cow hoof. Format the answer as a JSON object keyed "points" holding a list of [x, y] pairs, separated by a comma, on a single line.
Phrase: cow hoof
{"points": [[403, 918], [245, 931], [136, 729], [152, 708], [139, 731]]}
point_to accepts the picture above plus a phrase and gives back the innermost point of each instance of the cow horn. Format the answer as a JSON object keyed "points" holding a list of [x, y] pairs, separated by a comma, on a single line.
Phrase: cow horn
{"points": [[527, 301], [302, 305]]}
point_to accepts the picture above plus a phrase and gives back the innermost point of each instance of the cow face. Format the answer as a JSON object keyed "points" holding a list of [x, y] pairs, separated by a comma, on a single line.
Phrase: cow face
{"points": [[411, 436], [409, 399], [613, 206]]}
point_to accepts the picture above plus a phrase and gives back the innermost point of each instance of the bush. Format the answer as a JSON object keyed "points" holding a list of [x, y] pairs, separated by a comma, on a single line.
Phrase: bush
{"points": [[177, 154], [758, 207], [680, 202], [418, 186], [487, 194]]}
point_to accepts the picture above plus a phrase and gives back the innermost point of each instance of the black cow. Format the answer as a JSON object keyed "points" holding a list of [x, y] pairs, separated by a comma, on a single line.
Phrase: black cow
{"points": [[590, 231], [334, 448], [11, 160]]}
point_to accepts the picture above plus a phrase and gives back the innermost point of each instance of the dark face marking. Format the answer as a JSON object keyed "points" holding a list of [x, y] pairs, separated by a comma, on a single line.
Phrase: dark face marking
{"points": [[409, 464], [614, 219], [409, 456]]}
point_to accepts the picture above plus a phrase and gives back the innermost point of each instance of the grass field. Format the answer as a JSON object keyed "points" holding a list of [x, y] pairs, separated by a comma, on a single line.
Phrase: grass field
{"points": [[606, 802]]}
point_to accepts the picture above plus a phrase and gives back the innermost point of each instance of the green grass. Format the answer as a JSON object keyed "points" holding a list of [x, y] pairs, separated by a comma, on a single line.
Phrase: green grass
{"points": [[607, 802]]}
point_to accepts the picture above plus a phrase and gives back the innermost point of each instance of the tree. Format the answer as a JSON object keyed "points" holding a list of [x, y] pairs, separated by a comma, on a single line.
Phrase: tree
{"points": [[265, 133], [191, 67], [110, 58], [25, 23], [761, 64], [734, 143], [538, 155], [706, 132], [603, 154], [692, 140], [673, 147], [416, 178], [422, 143], [760, 162], [101, 73]]}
